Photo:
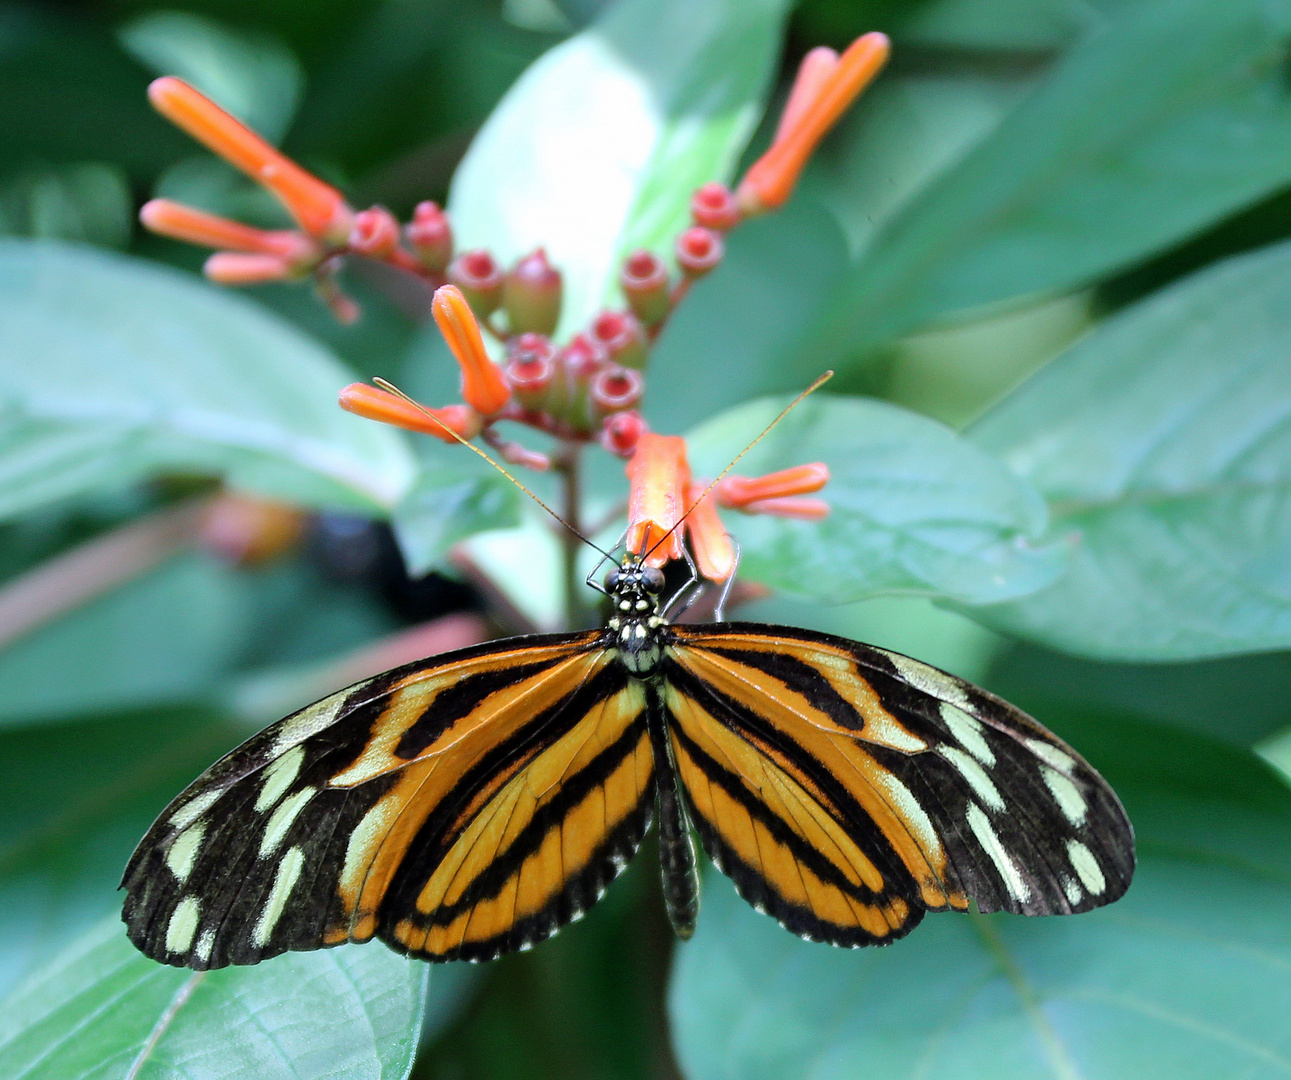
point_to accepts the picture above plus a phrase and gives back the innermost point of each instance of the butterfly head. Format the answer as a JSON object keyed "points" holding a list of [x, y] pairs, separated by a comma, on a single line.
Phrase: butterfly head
{"points": [[635, 623]]}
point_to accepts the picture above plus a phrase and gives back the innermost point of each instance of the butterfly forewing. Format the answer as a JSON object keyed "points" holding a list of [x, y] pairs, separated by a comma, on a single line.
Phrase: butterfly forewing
{"points": [[460, 807], [832, 780]]}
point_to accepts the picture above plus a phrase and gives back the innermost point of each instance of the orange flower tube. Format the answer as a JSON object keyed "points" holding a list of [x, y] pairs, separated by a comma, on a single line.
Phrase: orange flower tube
{"points": [[657, 474], [484, 386], [714, 552], [738, 491], [168, 218], [374, 403], [320, 209], [771, 180]]}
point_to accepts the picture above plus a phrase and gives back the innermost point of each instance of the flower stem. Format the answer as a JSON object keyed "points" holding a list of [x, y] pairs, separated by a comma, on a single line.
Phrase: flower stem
{"points": [[568, 462]]}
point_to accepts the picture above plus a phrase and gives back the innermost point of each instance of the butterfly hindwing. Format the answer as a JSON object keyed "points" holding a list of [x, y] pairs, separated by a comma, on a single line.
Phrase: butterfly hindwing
{"points": [[950, 793], [454, 808]]}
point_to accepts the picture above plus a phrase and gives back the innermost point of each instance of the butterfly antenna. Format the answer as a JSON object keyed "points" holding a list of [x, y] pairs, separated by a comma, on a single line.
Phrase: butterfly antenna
{"points": [[391, 388], [820, 381]]}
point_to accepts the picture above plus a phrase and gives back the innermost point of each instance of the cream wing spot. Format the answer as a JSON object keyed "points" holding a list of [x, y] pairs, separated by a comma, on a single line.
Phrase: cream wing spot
{"points": [[971, 771], [183, 925], [183, 851], [1065, 794], [309, 722], [1013, 880], [1071, 890], [912, 813], [1086, 867], [278, 777], [194, 808], [1051, 755], [284, 880], [932, 681], [281, 820], [968, 731]]}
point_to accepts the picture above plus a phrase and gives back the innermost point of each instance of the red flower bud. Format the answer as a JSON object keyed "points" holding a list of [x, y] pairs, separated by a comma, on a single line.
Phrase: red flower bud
{"points": [[621, 432], [479, 279], [699, 250], [532, 295], [614, 389], [431, 237], [644, 279], [713, 206], [375, 233], [622, 337], [530, 370]]}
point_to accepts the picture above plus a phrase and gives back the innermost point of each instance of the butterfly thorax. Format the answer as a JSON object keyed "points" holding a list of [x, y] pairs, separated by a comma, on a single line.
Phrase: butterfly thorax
{"points": [[635, 627]]}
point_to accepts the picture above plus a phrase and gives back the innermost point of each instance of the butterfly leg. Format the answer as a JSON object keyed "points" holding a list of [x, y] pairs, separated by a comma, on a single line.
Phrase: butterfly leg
{"points": [[676, 847]]}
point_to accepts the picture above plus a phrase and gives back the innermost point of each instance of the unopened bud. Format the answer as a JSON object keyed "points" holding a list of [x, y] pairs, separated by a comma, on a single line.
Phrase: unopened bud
{"points": [[614, 389], [431, 237], [621, 335], [375, 233], [621, 432], [530, 370], [698, 251], [644, 279], [532, 295], [713, 206], [478, 276], [245, 268]]}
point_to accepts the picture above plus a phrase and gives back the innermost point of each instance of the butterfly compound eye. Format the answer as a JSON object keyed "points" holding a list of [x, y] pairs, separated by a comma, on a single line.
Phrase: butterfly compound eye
{"points": [[612, 579], [652, 579]]}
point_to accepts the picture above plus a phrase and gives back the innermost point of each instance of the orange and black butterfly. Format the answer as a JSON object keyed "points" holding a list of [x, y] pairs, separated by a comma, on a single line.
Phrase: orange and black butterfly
{"points": [[471, 804]]}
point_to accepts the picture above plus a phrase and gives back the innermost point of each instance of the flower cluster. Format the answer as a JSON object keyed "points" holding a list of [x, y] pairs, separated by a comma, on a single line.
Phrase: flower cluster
{"points": [[585, 389]]}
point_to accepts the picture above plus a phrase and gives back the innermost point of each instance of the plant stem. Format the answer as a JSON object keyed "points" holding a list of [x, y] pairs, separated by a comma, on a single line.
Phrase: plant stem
{"points": [[568, 462]]}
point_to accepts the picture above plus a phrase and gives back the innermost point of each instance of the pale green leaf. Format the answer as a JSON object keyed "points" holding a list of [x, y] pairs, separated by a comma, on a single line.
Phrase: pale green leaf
{"points": [[116, 370], [597, 148], [103, 1010], [914, 507], [1163, 443]]}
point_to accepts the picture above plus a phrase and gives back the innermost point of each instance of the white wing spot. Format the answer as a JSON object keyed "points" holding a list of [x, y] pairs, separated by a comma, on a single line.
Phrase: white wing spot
{"points": [[281, 820], [194, 808], [205, 943], [183, 925], [283, 882], [931, 680], [911, 812], [309, 721], [1013, 880], [278, 778], [975, 775], [1068, 797], [968, 731], [1086, 867], [1072, 890], [1051, 755], [183, 851]]}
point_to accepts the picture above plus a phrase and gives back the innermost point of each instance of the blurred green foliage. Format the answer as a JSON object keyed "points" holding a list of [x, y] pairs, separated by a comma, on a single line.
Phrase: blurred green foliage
{"points": [[1048, 254]]}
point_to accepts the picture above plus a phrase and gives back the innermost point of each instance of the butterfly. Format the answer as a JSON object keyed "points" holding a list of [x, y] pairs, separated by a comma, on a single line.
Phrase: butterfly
{"points": [[471, 804]]}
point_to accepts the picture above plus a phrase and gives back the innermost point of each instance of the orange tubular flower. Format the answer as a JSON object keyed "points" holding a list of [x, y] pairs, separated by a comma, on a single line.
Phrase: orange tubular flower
{"points": [[246, 268], [714, 552], [320, 209], [658, 474], [180, 222], [377, 404], [823, 91], [484, 387], [739, 492]]}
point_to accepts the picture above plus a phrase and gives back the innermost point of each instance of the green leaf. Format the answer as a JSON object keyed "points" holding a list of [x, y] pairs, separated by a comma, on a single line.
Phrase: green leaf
{"points": [[597, 148], [253, 76], [1188, 976], [102, 1009], [1170, 119], [914, 508], [89, 202], [450, 502], [77, 799], [120, 370], [1163, 442], [165, 637]]}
